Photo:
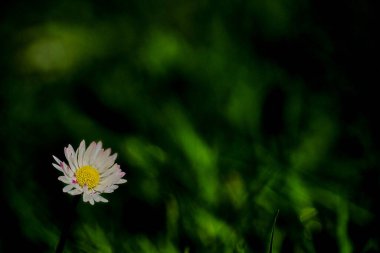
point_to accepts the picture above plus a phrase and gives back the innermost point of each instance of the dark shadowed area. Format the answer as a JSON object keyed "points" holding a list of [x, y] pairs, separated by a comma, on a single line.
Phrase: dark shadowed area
{"points": [[221, 114]]}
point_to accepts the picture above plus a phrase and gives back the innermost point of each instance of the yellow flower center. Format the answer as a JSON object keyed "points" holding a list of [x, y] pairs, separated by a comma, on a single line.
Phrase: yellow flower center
{"points": [[87, 175]]}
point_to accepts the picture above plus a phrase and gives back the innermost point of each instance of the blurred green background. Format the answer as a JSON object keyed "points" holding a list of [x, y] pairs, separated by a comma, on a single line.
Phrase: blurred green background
{"points": [[222, 113]]}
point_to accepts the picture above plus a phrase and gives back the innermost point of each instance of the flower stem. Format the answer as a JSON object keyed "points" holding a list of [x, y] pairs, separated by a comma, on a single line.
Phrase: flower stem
{"points": [[67, 225]]}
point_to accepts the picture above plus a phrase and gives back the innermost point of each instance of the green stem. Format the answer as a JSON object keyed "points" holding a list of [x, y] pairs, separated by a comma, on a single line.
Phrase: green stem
{"points": [[272, 233]]}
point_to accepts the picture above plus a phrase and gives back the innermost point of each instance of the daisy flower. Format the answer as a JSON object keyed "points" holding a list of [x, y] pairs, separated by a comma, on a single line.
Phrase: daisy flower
{"points": [[90, 171]]}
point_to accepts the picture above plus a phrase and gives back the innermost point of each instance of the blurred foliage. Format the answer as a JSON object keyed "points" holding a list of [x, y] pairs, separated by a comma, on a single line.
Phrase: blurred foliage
{"points": [[221, 112]]}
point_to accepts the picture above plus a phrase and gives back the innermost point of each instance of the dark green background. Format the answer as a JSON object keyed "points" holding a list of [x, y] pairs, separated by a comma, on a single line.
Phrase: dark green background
{"points": [[222, 113]]}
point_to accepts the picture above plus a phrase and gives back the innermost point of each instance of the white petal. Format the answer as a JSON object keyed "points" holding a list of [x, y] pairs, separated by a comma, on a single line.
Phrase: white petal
{"points": [[122, 181], [99, 198], [57, 167], [108, 191], [65, 179], [107, 163], [82, 148], [95, 153], [85, 197], [87, 153], [103, 199], [108, 172], [111, 179], [75, 159], [102, 157], [100, 187], [73, 166], [68, 188], [111, 188], [96, 197], [107, 181], [91, 201], [71, 159], [75, 192], [114, 187], [57, 160], [67, 170], [69, 153], [85, 189]]}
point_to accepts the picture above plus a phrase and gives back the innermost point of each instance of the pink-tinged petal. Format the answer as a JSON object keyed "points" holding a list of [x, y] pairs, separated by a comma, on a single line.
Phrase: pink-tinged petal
{"points": [[68, 188], [87, 153], [57, 167], [82, 148], [64, 167]]}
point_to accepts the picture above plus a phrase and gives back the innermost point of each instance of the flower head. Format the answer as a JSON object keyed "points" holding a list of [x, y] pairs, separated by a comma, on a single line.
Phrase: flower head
{"points": [[90, 171]]}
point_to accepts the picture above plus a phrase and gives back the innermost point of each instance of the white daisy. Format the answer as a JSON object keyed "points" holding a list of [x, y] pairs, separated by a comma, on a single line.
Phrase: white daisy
{"points": [[90, 172]]}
